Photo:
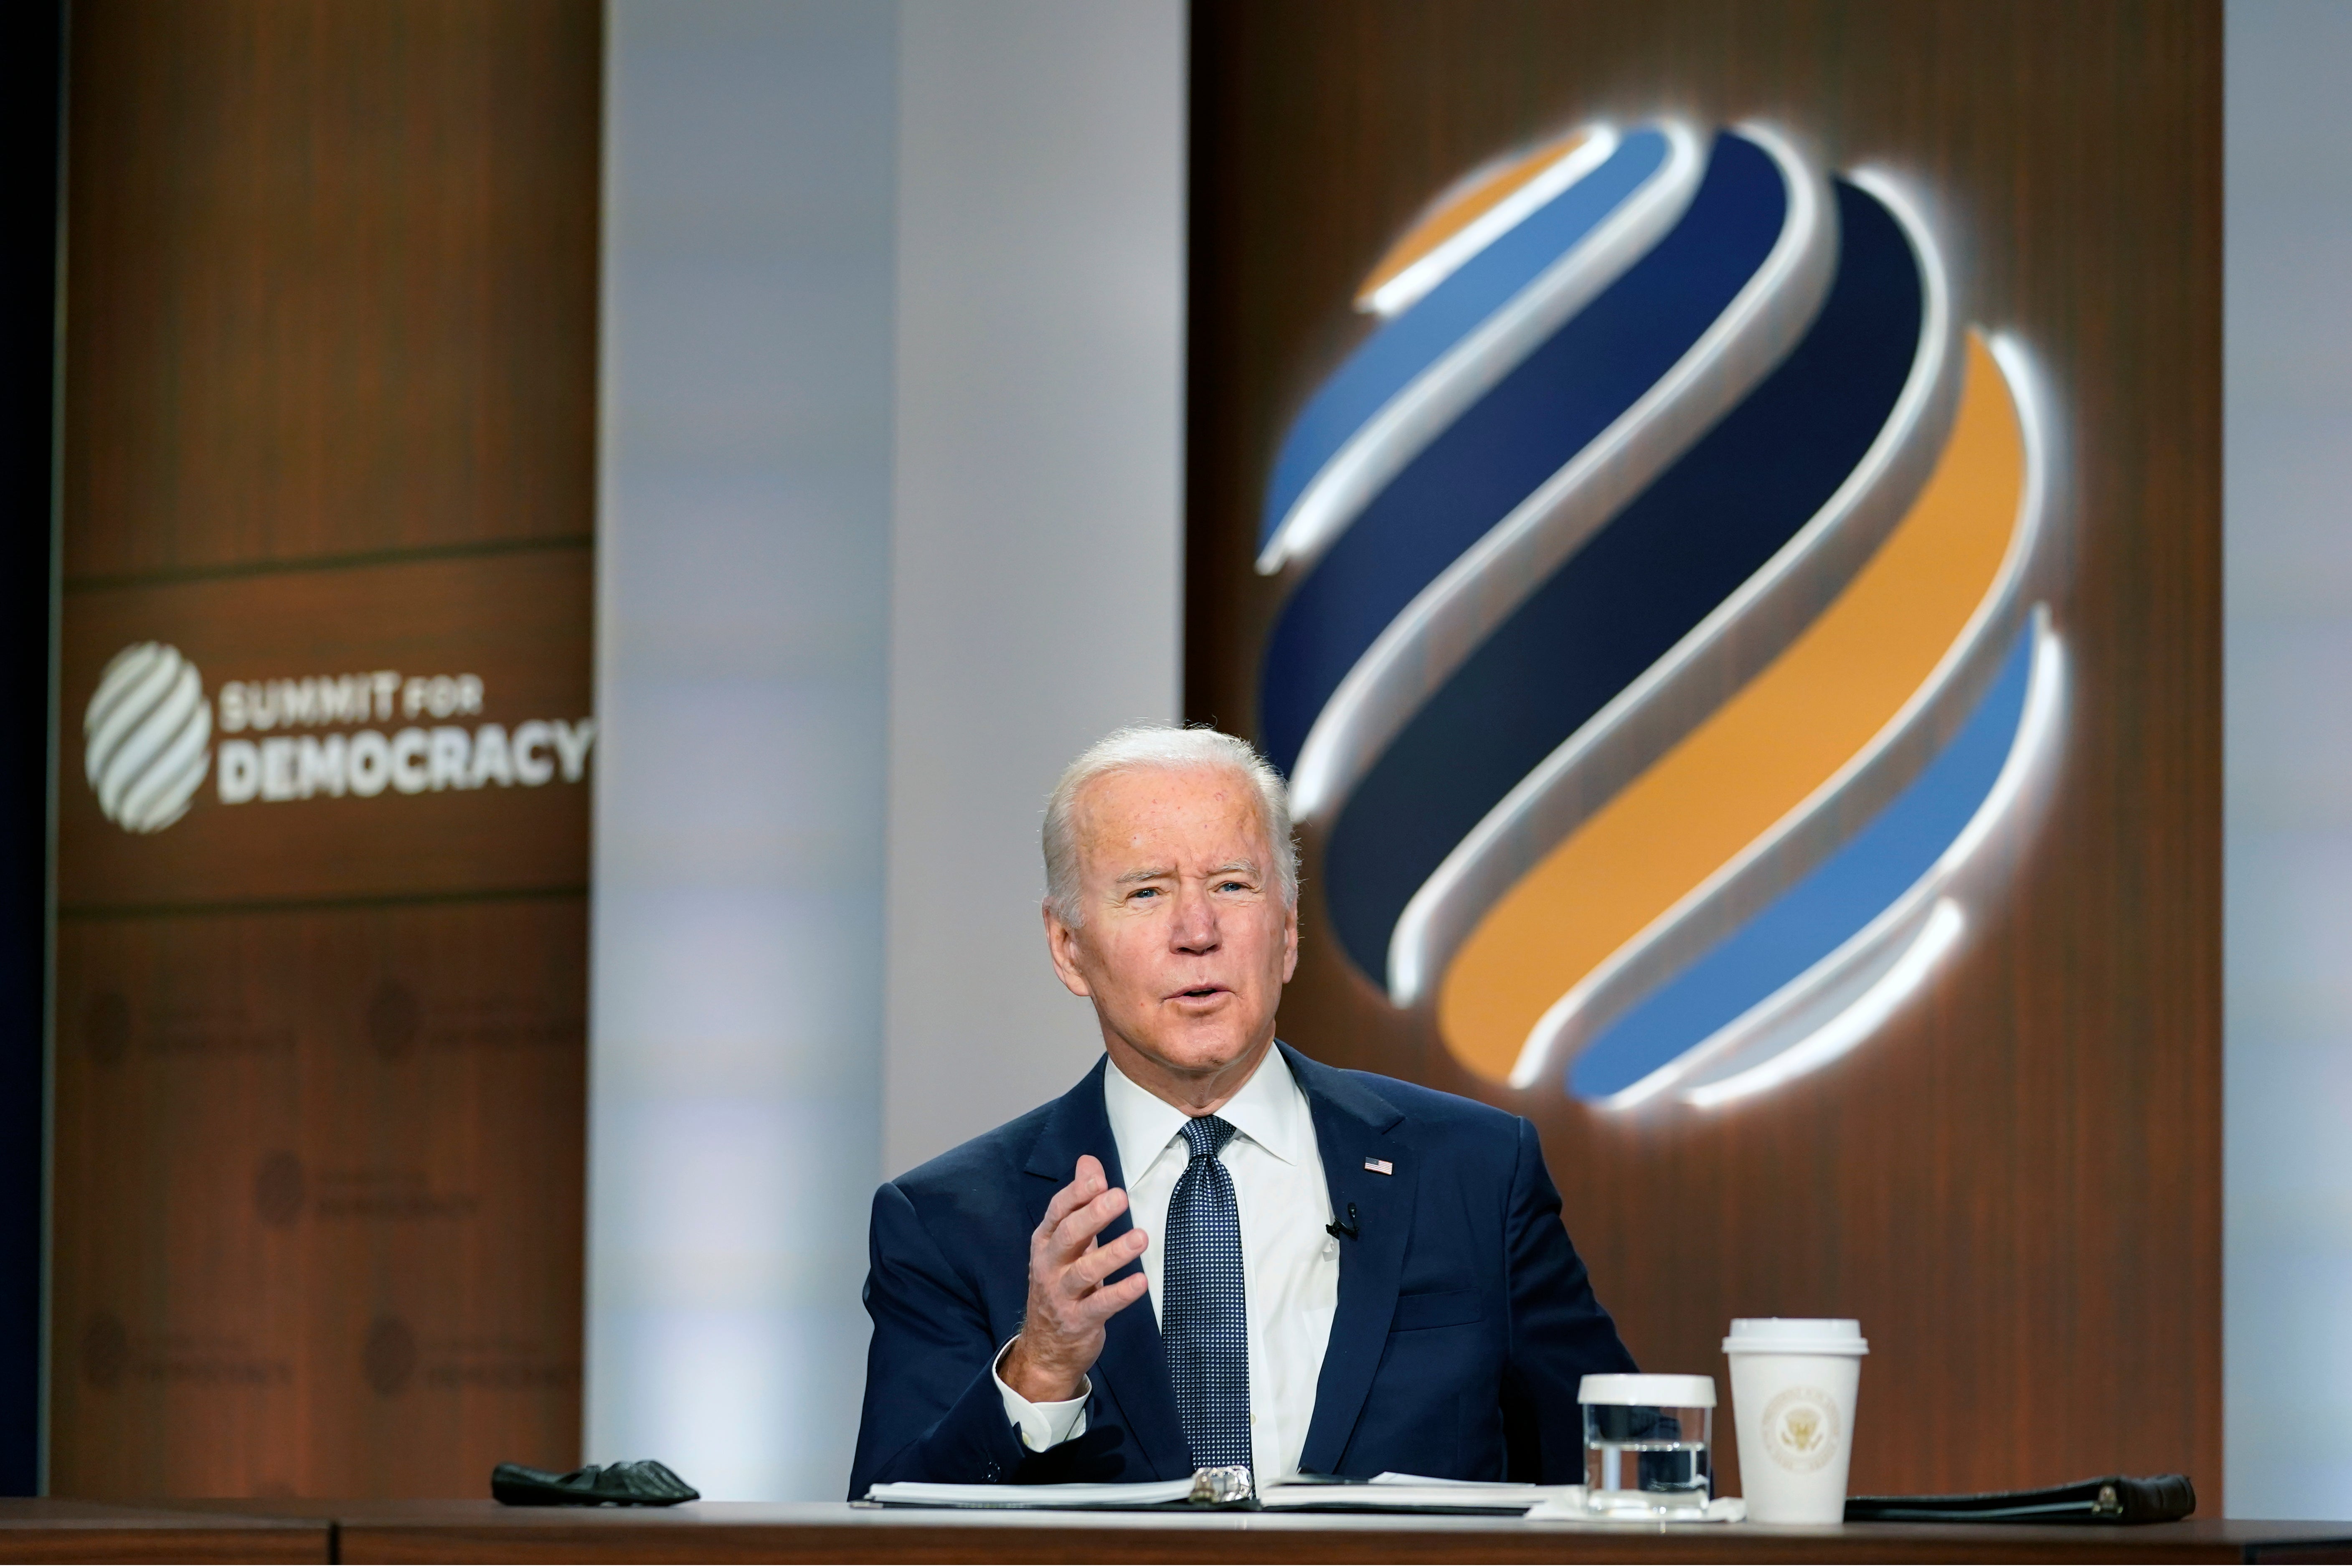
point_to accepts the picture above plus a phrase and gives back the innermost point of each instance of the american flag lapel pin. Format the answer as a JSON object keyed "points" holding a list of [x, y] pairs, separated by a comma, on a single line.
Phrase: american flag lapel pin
{"points": [[1379, 1167]]}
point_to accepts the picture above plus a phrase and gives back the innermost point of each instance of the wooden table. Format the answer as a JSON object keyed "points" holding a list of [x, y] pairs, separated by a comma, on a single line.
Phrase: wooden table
{"points": [[485, 1531], [58, 1530]]}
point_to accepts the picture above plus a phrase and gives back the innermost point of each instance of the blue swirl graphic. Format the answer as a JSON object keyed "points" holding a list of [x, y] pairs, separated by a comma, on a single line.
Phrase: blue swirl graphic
{"points": [[1568, 512]]}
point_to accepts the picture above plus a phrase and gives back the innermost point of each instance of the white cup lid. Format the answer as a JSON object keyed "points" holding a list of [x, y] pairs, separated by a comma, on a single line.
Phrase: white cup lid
{"points": [[1797, 1336], [1646, 1388]]}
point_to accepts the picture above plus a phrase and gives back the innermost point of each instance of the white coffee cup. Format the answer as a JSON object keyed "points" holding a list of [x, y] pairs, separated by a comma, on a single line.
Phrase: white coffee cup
{"points": [[1794, 1382]]}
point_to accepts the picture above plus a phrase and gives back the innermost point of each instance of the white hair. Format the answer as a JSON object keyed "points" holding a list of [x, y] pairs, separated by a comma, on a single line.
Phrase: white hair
{"points": [[1139, 746]]}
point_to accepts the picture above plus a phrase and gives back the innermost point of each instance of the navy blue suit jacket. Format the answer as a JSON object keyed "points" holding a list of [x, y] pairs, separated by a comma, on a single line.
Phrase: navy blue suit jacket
{"points": [[1465, 1318]]}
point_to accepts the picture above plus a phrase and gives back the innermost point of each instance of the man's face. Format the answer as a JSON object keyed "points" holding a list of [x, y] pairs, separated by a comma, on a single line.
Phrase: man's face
{"points": [[1185, 941]]}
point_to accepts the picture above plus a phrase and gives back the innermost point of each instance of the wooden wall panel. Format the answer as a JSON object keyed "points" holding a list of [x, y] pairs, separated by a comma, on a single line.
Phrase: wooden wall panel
{"points": [[2016, 1185], [317, 1198], [333, 269], [330, 411]]}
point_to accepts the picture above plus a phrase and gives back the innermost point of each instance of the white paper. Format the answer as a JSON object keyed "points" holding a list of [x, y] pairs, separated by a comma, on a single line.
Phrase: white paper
{"points": [[1721, 1510], [1390, 1491]]}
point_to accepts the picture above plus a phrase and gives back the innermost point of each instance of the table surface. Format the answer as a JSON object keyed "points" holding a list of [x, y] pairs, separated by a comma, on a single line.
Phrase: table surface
{"points": [[61, 1529], [282, 1530]]}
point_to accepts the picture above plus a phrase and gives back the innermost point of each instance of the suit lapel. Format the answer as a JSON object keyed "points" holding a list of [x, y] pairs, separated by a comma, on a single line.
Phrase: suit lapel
{"points": [[1132, 1377], [1354, 1125]]}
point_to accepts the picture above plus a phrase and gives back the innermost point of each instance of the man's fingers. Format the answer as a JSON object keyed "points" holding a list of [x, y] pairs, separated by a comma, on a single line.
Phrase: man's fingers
{"points": [[1086, 1306], [1085, 1187], [1088, 1187], [1100, 1263], [1114, 1298], [1082, 1224]]}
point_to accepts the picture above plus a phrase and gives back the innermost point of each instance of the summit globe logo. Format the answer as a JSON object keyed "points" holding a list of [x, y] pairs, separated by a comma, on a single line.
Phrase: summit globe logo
{"points": [[147, 737], [1657, 640]]}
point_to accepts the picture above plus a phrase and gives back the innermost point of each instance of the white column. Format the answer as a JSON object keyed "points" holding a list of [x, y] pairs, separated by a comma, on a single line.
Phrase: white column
{"points": [[792, 660], [1037, 577], [743, 603], [2287, 544]]}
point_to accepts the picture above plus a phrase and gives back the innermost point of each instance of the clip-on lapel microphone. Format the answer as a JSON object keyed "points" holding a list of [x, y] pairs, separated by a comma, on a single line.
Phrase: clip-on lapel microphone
{"points": [[1346, 1227]]}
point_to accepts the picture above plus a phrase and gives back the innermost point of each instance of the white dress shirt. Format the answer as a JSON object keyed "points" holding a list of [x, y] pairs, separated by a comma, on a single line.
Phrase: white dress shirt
{"points": [[1290, 1263]]}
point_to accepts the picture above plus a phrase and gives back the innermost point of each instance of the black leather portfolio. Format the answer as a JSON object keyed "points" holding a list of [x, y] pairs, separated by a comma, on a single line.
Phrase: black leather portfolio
{"points": [[2109, 1500]]}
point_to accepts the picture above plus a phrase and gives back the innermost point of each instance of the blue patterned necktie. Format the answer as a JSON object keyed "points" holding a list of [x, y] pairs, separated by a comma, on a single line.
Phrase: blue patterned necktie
{"points": [[1201, 1320]]}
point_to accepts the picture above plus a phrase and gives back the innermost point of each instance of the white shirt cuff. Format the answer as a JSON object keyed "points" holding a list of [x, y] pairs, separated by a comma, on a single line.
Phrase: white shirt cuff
{"points": [[1047, 1426]]}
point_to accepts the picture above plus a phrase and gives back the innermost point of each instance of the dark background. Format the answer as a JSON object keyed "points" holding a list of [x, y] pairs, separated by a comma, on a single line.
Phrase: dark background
{"points": [[30, 77], [2016, 1185]]}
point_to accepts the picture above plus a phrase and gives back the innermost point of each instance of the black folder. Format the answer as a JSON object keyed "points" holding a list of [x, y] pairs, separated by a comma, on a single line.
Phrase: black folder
{"points": [[2109, 1500]]}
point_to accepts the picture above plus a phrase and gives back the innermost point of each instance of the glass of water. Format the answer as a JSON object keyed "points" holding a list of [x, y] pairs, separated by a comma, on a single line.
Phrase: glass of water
{"points": [[1648, 1444]]}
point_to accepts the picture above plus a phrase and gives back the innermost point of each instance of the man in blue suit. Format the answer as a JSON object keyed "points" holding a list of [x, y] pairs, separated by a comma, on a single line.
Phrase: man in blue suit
{"points": [[1344, 1274]]}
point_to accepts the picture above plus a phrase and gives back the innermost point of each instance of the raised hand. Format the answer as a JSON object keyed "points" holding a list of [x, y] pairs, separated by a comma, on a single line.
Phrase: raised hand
{"points": [[1062, 1331]]}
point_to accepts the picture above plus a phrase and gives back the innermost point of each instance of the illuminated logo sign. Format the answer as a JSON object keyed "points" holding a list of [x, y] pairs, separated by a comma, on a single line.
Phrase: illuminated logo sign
{"points": [[147, 737], [1654, 651], [148, 733]]}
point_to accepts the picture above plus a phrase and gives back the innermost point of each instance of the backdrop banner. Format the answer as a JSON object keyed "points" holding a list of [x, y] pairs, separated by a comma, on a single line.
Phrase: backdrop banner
{"points": [[326, 747], [1715, 510]]}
